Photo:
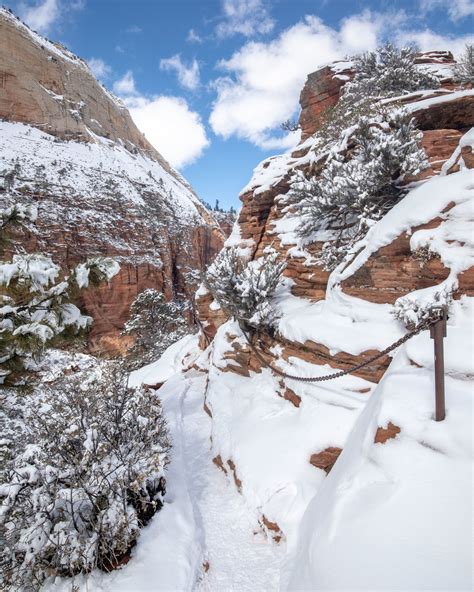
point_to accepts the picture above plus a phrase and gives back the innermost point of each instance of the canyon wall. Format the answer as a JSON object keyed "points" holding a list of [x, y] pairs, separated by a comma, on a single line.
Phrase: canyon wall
{"points": [[444, 116], [70, 147]]}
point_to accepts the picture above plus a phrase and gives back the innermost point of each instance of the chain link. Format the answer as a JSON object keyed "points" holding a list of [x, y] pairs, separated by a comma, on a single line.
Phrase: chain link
{"points": [[425, 324]]}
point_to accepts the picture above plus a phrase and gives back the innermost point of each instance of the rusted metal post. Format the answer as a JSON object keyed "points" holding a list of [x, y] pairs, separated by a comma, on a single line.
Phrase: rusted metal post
{"points": [[438, 333]]}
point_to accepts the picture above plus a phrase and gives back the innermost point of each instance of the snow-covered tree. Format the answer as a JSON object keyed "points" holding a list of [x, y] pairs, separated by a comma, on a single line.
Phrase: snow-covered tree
{"points": [[155, 324], [84, 474], [355, 190], [244, 289], [388, 71], [35, 298], [464, 69]]}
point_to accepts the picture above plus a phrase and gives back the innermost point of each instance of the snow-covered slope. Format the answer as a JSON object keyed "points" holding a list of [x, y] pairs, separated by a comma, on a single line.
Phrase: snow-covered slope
{"points": [[394, 512], [398, 515], [71, 147]]}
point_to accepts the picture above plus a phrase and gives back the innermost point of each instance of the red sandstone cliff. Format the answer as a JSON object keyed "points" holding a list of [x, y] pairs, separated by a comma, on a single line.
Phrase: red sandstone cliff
{"points": [[277, 437], [71, 147], [444, 116]]}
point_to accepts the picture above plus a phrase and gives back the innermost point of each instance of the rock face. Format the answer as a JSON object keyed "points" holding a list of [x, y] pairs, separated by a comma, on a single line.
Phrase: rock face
{"points": [[71, 147], [287, 421], [444, 115], [44, 84]]}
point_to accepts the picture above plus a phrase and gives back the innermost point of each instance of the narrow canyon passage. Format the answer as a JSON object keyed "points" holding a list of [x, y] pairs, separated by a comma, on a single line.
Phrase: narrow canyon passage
{"points": [[205, 523]]}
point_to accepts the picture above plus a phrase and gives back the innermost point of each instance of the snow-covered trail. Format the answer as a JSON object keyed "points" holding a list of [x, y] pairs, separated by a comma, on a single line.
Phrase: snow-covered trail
{"points": [[223, 531], [204, 521], [240, 558]]}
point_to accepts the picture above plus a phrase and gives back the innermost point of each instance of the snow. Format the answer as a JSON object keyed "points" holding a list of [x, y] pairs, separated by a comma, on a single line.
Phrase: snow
{"points": [[391, 516], [235, 240], [97, 182], [39, 269], [267, 173], [422, 204], [204, 518], [341, 322], [170, 363], [258, 429], [76, 167], [446, 98], [403, 503], [417, 94]]}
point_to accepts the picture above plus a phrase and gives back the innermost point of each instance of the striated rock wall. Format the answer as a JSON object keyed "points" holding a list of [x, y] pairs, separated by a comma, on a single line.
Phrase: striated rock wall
{"points": [[444, 116], [71, 147], [281, 436], [45, 85]]}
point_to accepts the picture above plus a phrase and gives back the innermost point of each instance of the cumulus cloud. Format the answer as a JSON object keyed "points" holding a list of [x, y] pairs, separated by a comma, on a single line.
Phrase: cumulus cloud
{"points": [[428, 40], [263, 80], [244, 17], [125, 85], [99, 68], [40, 16], [188, 76], [457, 9], [168, 123]]}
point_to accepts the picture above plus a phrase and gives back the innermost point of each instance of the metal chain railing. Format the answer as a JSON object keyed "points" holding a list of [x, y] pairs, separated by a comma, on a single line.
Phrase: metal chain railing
{"points": [[425, 324]]}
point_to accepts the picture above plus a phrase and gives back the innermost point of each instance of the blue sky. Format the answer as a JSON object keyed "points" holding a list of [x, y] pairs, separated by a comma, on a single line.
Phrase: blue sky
{"points": [[210, 81]]}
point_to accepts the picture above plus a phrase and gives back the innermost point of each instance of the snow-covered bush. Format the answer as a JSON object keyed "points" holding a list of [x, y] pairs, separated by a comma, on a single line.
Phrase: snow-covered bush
{"points": [[86, 475], [244, 289], [357, 189], [464, 69], [156, 324], [411, 312], [35, 298], [388, 71]]}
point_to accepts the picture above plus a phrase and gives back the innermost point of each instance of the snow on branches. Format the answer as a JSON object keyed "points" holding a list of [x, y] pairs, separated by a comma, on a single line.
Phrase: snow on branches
{"points": [[355, 190], [464, 69], [412, 311], [156, 324], [388, 71], [244, 289], [84, 474], [35, 298]]}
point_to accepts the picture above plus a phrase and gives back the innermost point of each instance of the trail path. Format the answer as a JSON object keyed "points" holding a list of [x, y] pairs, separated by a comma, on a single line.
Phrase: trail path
{"points": [[223, 529], [204, 519]]}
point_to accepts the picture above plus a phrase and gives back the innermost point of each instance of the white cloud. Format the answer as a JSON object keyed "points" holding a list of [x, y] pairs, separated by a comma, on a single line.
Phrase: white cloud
{"points": [[457, 9], [41, 15], [188, 76], [427, 40], [99, 68], [193, 37], [264, 80], [244, 17], [125, 85], [168, 123]]}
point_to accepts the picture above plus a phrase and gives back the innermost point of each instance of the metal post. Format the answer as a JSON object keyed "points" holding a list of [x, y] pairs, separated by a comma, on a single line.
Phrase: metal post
{"points": [[438, 332]]}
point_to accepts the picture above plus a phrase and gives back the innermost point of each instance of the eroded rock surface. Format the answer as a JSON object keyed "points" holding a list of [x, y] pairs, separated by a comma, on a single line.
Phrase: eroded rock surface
{"points": [[71, 148]]}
